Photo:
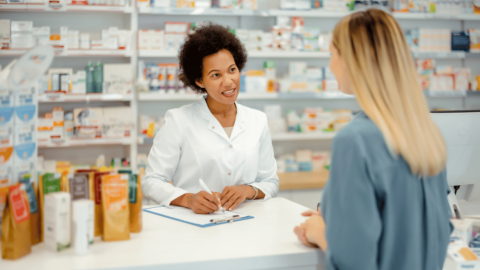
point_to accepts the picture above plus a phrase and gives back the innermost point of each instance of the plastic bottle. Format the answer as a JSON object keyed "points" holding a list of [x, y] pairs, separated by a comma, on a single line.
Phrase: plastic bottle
{"points": [[89, 69], [98, 75]]}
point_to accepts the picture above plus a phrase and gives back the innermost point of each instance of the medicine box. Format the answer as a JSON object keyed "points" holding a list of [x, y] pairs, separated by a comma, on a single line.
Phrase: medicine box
{"points": [[57, 221], [25, 162], [22, 26], [79, 82], [25, 96], [474, 40], [117, 122], [6, 166], [145, 39], [88, 117], [25, 115], [157, 38], [298, 71], [4, 34], [25, 134], [117, 78]]}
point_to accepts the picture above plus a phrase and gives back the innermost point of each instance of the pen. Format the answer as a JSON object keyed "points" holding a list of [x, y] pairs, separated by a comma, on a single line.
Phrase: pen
{"points": [[208, 190]]}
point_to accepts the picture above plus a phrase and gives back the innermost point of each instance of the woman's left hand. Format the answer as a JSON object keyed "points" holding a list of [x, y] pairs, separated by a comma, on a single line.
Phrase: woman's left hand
{"points": [[315, 231], [232, 196]]}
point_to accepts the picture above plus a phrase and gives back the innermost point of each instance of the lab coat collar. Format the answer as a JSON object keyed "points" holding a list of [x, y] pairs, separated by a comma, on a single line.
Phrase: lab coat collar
{"points": [[216, 127]]}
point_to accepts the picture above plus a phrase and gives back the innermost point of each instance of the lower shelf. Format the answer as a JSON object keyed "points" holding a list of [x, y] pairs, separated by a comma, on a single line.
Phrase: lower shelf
{"points": [[303, 180]]}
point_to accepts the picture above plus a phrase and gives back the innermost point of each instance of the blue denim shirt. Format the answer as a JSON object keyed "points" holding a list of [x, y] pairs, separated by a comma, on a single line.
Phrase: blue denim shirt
{"points": [[378, 214]]}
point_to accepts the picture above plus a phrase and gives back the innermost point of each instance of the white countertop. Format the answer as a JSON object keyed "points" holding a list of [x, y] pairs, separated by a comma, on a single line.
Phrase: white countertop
{"points": [[265, 242]]}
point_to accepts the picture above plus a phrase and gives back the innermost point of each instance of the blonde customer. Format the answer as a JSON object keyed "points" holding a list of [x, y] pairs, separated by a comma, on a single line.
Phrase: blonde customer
{"points": [[385, 205]]}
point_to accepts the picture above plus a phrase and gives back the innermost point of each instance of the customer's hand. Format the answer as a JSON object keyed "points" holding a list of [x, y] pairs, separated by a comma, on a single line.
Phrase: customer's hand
{"points": [[232, 196], [315, 231], [203, 202], [300, 232], [310, 213]]}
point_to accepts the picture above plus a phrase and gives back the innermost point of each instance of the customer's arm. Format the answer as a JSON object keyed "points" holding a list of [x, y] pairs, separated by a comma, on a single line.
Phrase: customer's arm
{"points": [[353, 224], [162, 163]]}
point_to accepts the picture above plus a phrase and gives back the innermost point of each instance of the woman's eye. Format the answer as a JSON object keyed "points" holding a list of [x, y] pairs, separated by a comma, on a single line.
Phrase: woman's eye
{"points": [[215, 75], [232, 70]]}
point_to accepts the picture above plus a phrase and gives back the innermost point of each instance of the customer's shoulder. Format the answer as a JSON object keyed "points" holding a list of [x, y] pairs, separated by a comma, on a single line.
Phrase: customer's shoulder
{"points": [[360, 130]]}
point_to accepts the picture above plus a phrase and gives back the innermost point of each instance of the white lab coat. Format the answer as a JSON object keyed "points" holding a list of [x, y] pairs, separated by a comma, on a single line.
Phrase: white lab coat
{"points": [[193, 144]]}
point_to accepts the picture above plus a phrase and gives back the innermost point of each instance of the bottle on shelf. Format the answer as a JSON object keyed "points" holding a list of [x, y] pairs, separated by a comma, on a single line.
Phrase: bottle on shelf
{"points": [[89, 69], [98, 75]]}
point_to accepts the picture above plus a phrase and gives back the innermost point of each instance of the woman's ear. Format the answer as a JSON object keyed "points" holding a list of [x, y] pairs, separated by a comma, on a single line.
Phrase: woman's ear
{"points": [[200, 84]]}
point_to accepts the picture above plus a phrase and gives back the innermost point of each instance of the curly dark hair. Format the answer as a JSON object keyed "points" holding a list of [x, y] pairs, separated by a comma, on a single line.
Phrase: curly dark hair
{"points": [[207, 39]]}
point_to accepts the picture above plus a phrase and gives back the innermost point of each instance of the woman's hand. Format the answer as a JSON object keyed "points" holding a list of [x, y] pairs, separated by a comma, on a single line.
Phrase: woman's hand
{"points": [[203, 202], [300, 232], [315, 231], [232, 196]]}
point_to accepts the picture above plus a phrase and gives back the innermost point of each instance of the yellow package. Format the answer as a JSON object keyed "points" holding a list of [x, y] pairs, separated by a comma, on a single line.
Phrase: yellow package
{"points": [[116, 222], [16, 239], [96, 179], [135, 200]]}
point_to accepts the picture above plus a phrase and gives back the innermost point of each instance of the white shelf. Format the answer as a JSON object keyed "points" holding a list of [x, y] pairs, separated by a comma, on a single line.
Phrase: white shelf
{"points": [[303, 136], [251, 54], [302, 13], [155, 96], [440, 55], [196, 11], [142, 140], [433, 16], [76, 53], [67, 8], [85, 142], [59, 97]]}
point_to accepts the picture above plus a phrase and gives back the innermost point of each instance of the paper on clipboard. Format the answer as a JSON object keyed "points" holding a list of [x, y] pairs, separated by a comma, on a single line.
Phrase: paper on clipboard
{"points": [[188, 216]]}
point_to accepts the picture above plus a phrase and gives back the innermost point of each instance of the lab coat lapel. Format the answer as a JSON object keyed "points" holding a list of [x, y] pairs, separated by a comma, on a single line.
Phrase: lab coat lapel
{"points": [[213, 124], [239, 126]]}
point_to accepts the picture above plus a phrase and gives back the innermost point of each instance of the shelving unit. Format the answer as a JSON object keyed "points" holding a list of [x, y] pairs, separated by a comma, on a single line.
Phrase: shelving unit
{"points": [[73, 53], [66, 8], [85, 142], [303, 180], [60, 97]]}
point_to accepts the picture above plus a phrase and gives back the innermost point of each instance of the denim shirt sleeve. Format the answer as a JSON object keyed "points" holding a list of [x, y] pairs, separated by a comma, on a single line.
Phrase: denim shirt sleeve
{"points": [[349, 207]]}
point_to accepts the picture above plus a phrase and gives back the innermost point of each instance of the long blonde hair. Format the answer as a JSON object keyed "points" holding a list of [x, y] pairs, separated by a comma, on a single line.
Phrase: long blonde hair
{"points": [[383, 78]]}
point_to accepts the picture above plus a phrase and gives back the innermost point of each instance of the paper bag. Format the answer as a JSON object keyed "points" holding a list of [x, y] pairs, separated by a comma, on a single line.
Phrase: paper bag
{"points": [[96, 179], [33, 210], [135, 200], [16, 239], [116, 221]]}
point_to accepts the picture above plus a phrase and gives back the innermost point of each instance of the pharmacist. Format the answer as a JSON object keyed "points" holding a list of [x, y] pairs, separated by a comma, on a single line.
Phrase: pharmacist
{"points": [[225, 144]]}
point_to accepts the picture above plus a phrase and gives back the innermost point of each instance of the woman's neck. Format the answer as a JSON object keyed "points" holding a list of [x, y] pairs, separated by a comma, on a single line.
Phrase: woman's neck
{"points": [[220, 109]]}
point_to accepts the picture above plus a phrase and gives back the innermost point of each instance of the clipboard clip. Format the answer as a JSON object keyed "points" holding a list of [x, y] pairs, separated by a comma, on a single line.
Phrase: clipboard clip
{"points": [[225, 219]]}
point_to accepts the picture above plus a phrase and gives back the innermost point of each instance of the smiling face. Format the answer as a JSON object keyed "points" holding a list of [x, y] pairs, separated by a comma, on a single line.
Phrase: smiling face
{"points": [[221, 77]]}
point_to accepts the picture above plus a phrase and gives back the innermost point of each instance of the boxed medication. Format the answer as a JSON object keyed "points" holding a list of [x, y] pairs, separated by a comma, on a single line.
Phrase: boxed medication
{"points": [[57, 221], [60, 79], [88, 122], [4, 34], [117, 122], [22, 35], [82, 225], [25, 115], [7, 98], [57, 116], [45, 128], [84, 41], [6, 126], [6, 166], [25, 162], [298, 71], [157, 40], [474, 40], [145, 39], [117, 78], [25, 134], [79, 82], [25, 96]]}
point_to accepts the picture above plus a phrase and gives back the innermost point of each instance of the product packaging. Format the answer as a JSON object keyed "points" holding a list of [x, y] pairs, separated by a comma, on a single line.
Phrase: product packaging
{"points": [[3, 203], [135, 200], [80, 186], [116, 222], [57, 221], [60, 79], [117, 122], [96, 178], [460, 41], [117, 78], [145, 39], [462, 229], [25, 159], [82, 225], [33, 210], [16, 239], [6, 166], [88, 122], [22, 35], [474, 40], [69, 125], [157, 39], [4, 34], [79, 82], [47, 183]]}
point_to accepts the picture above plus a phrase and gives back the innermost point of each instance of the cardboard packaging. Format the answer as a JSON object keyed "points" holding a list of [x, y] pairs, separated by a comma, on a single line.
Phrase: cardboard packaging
{"points": [[117, 122], [25, 162], [145, 39], [117, 78], [26, 96], [47, 183], [6, 126], [15, 238], [58, 123], [82, 225], [115, 206], [4, 34], [22, 35], [25, 134], [88, 122], [57, 221], [474, 40], [6, 166]]}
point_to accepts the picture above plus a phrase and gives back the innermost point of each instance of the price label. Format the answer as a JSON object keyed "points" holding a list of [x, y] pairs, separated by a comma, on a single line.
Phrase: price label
{"points": [[54, 97]]}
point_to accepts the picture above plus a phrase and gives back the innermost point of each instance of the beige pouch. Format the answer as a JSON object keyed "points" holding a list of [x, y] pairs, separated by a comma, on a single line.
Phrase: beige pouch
{"points": [[116, 222]]}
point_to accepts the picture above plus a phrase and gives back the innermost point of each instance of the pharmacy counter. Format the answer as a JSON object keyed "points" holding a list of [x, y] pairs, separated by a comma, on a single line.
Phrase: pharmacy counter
{"points": [[265, 242]]}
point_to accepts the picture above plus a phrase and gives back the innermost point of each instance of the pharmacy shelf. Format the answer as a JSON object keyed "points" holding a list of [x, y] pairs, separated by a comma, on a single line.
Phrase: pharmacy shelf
{"points": [[196, 11], [433, 16], [251, 54], [74, 53], [445, 94], [440, 55], [156, 96], [60, 97], [303, 180], [85, 142], [65, 8], [303, 136], [314, 136], [301, 13], [473, 93], [321, 95]]}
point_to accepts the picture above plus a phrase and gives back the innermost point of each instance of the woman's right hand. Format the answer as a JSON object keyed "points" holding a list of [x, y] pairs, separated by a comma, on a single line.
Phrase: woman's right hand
{"points": [[203, 203]]}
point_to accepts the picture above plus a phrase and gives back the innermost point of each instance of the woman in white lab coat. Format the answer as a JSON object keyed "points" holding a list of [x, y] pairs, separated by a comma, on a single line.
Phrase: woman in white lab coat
{"points": [[225, 144]]}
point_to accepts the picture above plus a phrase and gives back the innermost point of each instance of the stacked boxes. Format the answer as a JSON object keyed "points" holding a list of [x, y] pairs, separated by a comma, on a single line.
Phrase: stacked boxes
{"points": [[429, 40], [22, 35], [4, 34], [7, 109], [25, 135]]}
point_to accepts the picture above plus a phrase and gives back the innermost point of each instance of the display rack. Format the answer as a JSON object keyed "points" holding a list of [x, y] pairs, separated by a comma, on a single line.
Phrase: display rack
{"points": [[135, 14]]}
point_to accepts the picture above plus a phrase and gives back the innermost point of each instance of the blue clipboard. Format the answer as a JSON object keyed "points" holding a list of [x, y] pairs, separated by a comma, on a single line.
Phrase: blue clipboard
{"points": [[148, 210]]}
